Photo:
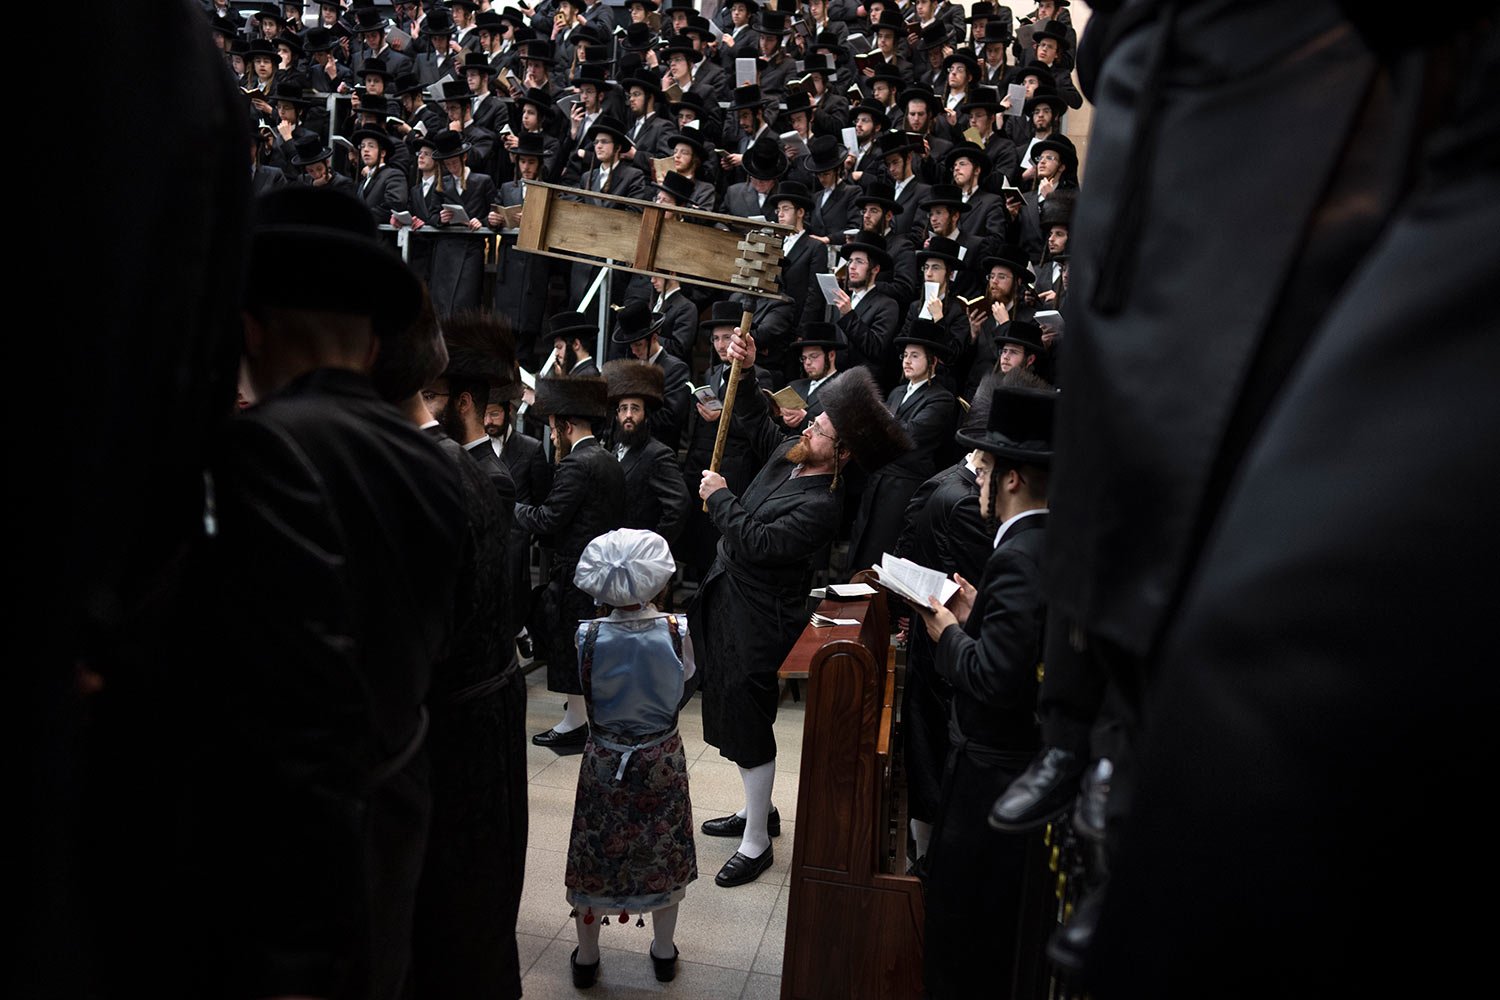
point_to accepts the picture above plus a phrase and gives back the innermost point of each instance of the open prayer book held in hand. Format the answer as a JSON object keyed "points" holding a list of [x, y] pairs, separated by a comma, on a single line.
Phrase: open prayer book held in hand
{"points": [[912, 582], [706, 395], [460, 217], [788, 399]]}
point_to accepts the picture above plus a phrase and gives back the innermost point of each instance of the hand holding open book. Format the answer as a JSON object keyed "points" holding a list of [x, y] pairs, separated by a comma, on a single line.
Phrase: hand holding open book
{"points": [[913, 582]]}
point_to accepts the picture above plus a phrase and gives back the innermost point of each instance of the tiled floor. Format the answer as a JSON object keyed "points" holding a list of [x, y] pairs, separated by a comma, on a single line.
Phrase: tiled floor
{"points": [[730, 939]]}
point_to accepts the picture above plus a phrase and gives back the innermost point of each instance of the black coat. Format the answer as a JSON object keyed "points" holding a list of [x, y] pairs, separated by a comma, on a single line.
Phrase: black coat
{"points": [[532, 475], [586, 500], [680, 327], [656, 498], [868, 329], [668, 419], [807, 258], [384, 192], [458, 255], [521, 285], [750, 608], [840, 212], [326, 498], [928, 416], [909, 214]]}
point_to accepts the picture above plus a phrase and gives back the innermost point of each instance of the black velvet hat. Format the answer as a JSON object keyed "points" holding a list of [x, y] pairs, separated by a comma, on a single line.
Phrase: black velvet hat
{"points": [[725, 313], [1019, 427], [824, 335], [873, 246], [927, 334], [571, 326], [765, 160], [635, 321]]}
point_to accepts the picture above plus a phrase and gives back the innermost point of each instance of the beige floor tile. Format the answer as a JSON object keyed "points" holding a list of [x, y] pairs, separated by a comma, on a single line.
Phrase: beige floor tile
{"points": [[762, 987], [626, 974], [544, 904], [561, 773], [724, 927], [773, 942], [530, 948], [551, 821]]}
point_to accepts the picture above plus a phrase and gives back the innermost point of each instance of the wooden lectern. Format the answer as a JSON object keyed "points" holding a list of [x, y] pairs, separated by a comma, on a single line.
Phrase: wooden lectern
{"points": [[854, 928]]}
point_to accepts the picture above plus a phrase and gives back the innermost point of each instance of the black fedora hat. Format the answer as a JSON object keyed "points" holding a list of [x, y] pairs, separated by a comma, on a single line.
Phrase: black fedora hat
{"points": [[677, 185], [1041, 71], [439, 21], [1019, 427], [1013, 259], [725, 313], [448, 144], [890, 19], [882, 193], [357, 274], [308, 147], [456, 89], [406, 83], [982, 9], [696, 143], [571, 326], [375, 66], [996, 32], [824, 153], [772, 22], [629, 378], [934, 36], [942, 248], [491, 21], [896, 142], [795, 102], [635, 321], [877, 113], [638, 38], [478, 62], [944, 194], [530, 144], [681, 45], [536, 50], [692, 101], [765, 160], [1055, 30], [380, 135], [1028, 335], [862, 421], [375, 105], [934, 102], [261, 47], [610, 126], [573, 396], [1062, 146], [596, 74], [515, 16], [983, 99], [367, 19], [790, 191], [318, 39], [748, 96], [290, 40], [872, 244], [640, 77], [824, 335], [289, 90], [884, 72], [970, 151], [930, 335], [539, 99], [1051, 98], [965, 56]]}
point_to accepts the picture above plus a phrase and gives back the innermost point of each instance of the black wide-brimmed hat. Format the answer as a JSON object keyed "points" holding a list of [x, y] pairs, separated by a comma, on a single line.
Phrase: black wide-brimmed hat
{"points": [[1028, 335], [861, 419], [700, 146], [748, 96], [996, 32], [366, 19], [765, 160], [824, 335], [679, 186], [934, 36], [944, 194], [308, 147], [530, 144], [881, 193], [1041, 71], [358, 275], [375, 66], [456, 89], [1062, 146], [877, 113], [628, 377], [596, 74], [610, 126], [971, 151], [639, 38], [1051, 98], [539, 99], [934, 102], [1010, 257], [448, 144], [896, 142], [982, 9], [376, 105], [1055, 30], [886, 73], [318, 39], [573, 396], [536, 50], [481, 347], [478, 62], [942, 248], [930, 335], [965, 56], [1019, 427], [380, 135], [983, 99], [795, 102], [681, 45], [790, 191], [872, 244], [824, 152], [491, 21], [289, 90], [690, 100], [635, 321], [439, 21], [771, 22], [406, 83], [1057, 211], [643, 78], [725, 313], [890, 19], [571, 326], [290, 40]]}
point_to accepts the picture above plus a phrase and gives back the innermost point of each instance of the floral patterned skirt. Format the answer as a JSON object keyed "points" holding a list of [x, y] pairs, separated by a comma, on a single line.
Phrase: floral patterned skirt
{"points": [[632, 841]]}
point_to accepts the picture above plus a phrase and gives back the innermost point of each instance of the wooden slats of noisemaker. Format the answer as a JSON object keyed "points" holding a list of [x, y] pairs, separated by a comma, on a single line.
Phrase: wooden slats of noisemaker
{"points": [[652, 241]]}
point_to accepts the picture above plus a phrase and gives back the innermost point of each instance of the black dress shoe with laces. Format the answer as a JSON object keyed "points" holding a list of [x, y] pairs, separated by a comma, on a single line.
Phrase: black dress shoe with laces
{"points": [[665, 968], [1040, 795], [734, 826], [563, 744], [739, 869], [584, 976]]}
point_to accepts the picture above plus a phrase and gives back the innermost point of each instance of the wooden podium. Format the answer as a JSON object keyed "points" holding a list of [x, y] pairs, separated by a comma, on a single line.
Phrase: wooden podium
{"points": [[854, 928]]}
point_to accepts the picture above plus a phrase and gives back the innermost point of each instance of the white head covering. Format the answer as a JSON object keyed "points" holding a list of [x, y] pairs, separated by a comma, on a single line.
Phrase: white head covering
{"points": [[625, 566]]}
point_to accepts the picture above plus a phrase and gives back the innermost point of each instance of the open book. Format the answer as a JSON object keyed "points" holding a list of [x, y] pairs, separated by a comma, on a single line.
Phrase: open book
{"points": [[706, 395], [912, 582], [788, 399], [460, 217], [511, 215]]}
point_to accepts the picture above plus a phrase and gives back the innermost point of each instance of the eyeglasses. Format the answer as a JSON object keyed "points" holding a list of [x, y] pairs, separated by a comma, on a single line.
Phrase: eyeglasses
{"points": [[814, 428], [428, 395]]}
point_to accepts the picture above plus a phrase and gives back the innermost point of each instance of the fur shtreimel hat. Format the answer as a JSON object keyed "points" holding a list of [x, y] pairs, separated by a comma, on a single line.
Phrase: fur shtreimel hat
{"points": [[480, 346], [861, 420], [573, 396], [628, 377]]}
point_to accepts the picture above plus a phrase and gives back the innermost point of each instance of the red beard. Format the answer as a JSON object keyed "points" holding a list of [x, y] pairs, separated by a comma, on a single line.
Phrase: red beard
{"points": [[799, 453]]}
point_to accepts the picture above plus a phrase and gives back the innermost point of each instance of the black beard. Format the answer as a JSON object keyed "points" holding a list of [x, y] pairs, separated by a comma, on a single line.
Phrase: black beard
{"points": [[631, 438], [451, 423]]}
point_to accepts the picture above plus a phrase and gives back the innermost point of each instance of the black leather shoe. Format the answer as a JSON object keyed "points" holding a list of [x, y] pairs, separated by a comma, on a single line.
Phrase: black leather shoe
{"points": [[563, 744], [1042, 793], [666, 968], [734, 826], [1068, 947], [584, 976], [739, 869], [1093, 794]]}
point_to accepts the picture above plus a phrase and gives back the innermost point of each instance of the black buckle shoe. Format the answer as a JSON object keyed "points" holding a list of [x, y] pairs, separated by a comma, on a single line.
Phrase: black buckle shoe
{"points": [[584, 976], [563, 744], [666, 968], [1040, 795], [734, 826], [739, 869]]}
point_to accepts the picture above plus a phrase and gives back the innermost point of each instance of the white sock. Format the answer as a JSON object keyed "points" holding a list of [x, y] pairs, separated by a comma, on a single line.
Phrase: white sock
{"points": [[922, 834], [664, 924], [573, 714], [758, 782], [588, 940]]}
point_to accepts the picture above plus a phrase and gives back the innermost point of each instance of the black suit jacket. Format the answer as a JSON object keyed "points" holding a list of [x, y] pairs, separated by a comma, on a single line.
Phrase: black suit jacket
{"points": [[680, 330], [668, 419], [656, 498], [808, 257], [266, 179], [383, 192], [740, 199], [869, 329], [908, 215], [839, 214]]}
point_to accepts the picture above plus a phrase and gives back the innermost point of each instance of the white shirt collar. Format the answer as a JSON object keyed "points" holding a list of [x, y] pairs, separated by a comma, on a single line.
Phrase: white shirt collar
{"points": [[1012, 520]]}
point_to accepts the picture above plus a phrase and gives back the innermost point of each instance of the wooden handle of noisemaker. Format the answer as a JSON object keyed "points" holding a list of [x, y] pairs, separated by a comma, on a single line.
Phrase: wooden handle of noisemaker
{"points": [[731, 386]]}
